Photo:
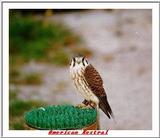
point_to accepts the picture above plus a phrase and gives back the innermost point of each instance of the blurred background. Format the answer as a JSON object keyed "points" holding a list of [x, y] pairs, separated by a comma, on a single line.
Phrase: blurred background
{"points": [[116, 42]]}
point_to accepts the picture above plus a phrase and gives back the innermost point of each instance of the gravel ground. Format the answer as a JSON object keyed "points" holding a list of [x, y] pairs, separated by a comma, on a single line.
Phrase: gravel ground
{"points": [[121, 43]]}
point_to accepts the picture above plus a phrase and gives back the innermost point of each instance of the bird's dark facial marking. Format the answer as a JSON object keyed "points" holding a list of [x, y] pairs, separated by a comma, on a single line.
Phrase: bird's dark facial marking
{"points": [[86, 61], [83, 61], [74, 62]]}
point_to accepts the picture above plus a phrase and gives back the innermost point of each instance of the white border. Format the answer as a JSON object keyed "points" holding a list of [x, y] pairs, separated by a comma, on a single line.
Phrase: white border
{"points": [[155, 67]]}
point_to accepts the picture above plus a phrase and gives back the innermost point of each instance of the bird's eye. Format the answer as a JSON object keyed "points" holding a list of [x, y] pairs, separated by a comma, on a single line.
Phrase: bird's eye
{"points": [[83, 61], [74, 61]]}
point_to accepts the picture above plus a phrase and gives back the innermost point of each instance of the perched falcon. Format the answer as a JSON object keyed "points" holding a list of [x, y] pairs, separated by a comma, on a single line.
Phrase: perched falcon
{"points": [[89, 83]]}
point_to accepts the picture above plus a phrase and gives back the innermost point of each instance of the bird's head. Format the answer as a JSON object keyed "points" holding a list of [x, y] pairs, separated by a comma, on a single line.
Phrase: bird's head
{"points": [[77, 62]]}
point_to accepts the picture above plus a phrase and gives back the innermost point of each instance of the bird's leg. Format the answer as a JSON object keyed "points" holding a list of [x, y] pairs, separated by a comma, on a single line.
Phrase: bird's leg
{"points": [[89, 104], [85, 102]]}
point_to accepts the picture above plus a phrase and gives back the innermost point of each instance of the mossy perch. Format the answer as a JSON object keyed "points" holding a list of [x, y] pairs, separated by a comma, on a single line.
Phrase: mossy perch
{"points": [[61, 117]]}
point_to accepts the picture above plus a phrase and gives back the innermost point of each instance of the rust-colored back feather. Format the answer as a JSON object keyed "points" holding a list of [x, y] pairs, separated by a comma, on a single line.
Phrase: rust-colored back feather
{"points": [[94, 80]]}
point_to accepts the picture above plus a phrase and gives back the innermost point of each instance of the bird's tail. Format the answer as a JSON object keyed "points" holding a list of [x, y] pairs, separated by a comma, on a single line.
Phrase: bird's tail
{"points": [[104, 105]]}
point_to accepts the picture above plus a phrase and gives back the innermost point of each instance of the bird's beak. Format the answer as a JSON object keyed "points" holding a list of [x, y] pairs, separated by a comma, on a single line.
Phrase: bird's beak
{"points": [[78, 62]]}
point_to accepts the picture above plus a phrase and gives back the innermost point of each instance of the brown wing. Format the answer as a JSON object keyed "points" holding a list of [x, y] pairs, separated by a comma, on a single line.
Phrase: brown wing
{"points": [[95, 82]]}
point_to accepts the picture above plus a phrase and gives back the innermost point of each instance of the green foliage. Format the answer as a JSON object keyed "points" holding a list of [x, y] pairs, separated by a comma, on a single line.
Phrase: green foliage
{"points": [[25, 79], [14, 72], [60, 58], [17, 123], [12, 95], [17, 108], [30, 38], [33, 78], [60, 117], [41, 40]]}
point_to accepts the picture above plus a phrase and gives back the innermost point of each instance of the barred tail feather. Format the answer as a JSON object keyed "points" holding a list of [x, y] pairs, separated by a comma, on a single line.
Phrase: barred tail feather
{"points": [[104, 105]]}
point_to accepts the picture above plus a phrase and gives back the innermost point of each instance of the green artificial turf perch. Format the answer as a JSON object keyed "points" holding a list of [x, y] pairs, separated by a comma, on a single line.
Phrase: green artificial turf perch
{"points": [[60, 117]]}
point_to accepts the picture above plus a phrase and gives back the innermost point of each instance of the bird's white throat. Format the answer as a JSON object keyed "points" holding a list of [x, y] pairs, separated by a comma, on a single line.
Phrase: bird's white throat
{"points": [[76, 70]]}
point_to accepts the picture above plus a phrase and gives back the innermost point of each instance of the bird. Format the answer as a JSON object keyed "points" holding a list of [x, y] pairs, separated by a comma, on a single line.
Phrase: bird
{"points": [[89, 84]]}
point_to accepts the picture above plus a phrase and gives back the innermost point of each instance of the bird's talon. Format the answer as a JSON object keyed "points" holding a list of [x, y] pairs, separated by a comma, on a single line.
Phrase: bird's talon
{"points": [[81, 105], [87, 107], [93, 105]]}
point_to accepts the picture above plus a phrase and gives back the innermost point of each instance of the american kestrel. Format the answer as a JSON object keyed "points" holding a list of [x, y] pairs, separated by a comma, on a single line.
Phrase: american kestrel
{"points": [[89, 84]]}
